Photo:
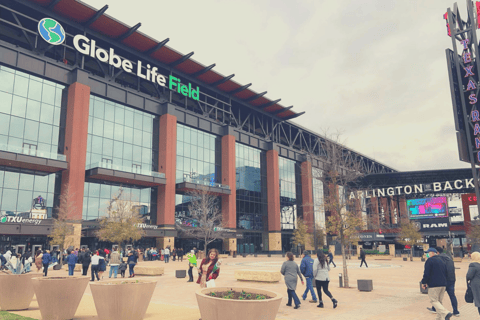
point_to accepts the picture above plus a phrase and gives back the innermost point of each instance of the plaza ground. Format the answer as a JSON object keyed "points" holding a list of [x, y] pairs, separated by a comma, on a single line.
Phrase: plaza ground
{"points": [[395, 295]]}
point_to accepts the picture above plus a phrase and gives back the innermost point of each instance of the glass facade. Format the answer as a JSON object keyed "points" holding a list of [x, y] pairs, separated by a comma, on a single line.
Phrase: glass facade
{"points": [[29, 114], [318, 206], [251, 184], [199, 160], [119, 137], [290, 192]]}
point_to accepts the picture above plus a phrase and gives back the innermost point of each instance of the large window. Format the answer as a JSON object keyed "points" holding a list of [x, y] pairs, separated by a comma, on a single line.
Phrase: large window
{"points": [[251, 188], [119, 136], [289, 193], [29, 114], [17, 191], [318, 205]]}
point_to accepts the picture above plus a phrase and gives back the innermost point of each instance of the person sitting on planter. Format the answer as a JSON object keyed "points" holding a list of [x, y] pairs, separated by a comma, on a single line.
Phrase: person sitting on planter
{"points": [[206, 268], [290, 270], [71, 261], [46, 259], [132, 261], [122, 268], [320, 271], [114, 263], [306, 267], [95, 262]]}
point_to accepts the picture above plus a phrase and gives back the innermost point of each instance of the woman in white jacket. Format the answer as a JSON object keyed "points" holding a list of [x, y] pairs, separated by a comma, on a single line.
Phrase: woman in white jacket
{"points": [[322, 278]]}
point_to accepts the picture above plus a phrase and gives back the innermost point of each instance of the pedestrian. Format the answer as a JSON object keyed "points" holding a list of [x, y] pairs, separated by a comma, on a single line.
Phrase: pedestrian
{"points": [[95, 264], [450, 281], [46, 259], [3, 261], [38, 260], [71, 261], [162, 254], [102, 263], [114, 263], [473, 277], [148, 254], [28, 263], [154, 254], [362, 256], [330, 258], [174, 254], [167, 254], [122, 268], [206, 272], [306, 267], [290, 270], [435, 277], [322, 278], [132, 261], [180, 254], [8, 255], [86, 260]]}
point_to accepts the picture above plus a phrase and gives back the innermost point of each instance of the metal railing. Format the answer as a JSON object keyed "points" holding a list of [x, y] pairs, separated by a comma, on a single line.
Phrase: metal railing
{"points": [[110, 165], [33, 152], [204, 182]]}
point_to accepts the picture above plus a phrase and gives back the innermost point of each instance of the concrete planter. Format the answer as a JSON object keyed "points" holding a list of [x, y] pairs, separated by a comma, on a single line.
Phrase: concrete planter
{"points": [[117, 300], [212, 308], [59, 297], [16, 291]]}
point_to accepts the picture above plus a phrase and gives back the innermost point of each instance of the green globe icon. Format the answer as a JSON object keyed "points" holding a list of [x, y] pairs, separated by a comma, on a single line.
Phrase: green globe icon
{"points": [[51, 31], [3, 219]]}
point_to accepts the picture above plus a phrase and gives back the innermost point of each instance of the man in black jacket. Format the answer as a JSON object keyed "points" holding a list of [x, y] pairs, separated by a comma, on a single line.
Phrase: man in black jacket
{"points": [[450, 281], [362, 256], [85, 260], [435, 276]]}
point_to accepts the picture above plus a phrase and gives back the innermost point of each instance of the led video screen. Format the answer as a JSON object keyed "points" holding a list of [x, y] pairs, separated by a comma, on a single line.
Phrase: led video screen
{"points": [[427, 208]]}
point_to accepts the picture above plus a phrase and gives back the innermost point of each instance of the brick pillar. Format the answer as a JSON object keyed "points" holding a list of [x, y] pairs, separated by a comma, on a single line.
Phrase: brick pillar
{"points": [[167, 156], [273, 199], [75, 149], [402, 203], [374, 213], [386, 212], [307, 194], [229, 206]]}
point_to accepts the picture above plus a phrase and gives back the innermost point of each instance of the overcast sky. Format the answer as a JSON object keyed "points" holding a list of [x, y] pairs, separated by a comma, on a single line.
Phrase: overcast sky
{"points": [[375, 69]]}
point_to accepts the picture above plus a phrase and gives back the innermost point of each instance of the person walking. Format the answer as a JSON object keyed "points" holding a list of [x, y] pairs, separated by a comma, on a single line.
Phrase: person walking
{"points": [[167, 254], [473, 278], [38, 260], [450, 281], [322, 278], [290, 270], [306, 267], [71, 261], [132, 261], [162, 256], [330, 258], [206, 272], [86, 260], [174, 254], [94, 267], [102, 263], [190, 268], [180, 254], [362, 256], [435, 277], [122, 268], [114, 263], [46, 259]]}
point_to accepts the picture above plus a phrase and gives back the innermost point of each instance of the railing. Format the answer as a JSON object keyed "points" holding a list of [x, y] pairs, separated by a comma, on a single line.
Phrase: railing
{"points": [[204, 182], [33, 152], [109, 165]]}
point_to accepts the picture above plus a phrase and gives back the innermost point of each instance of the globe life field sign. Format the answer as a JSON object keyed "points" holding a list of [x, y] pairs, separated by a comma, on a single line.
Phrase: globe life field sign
{"points": [[52, 32]]}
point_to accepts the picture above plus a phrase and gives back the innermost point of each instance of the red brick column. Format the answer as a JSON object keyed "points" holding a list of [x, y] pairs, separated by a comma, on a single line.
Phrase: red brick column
{"points": [[307, 194], [374, 212], [167, 157], [229, 206], [386, 211], [273, 200], [76, 131], [402, 203]]}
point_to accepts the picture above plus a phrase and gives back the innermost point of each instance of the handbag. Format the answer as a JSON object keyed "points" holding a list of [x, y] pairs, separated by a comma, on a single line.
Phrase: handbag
{"points": [[469, 294], [211, 283]]}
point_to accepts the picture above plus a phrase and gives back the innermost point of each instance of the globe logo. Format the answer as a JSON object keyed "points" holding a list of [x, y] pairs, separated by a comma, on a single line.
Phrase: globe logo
{"points": [[3, 219], [51, 31]]}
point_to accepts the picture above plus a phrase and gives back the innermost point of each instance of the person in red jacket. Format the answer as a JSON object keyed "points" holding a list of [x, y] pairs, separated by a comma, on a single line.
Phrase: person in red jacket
{"points": [[206, 268]]}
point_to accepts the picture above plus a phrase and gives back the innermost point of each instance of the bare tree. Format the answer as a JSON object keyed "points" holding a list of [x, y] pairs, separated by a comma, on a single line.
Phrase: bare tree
{"points": [[63, 230], [341, 170], [473, 234], [409, 234], [301, 237], [204, 208], [121, 221]]}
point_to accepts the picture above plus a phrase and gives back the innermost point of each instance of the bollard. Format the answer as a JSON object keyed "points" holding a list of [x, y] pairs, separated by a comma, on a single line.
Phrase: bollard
{"points": [[340, 280]]}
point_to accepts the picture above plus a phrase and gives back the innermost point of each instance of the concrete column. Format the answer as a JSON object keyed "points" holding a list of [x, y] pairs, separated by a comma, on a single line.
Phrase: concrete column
{"points": [[273, 192], [75, 149], [307, 194], [167, 156], [391, 250], [275, 242], [230, 244], [163, 242], [229, 206]]}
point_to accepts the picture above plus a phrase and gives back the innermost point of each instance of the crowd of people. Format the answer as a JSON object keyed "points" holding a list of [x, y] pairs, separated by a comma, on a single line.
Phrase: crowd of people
{"points": [[164, 254]]}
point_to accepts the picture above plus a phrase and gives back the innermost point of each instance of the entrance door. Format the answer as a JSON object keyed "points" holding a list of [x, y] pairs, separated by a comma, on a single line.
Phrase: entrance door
{"points": [[36, 247], [20, 249], [54, 248]]}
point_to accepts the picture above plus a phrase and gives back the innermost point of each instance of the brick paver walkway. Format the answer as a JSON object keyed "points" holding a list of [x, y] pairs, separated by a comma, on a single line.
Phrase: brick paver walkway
{"points": [[396, 293]]}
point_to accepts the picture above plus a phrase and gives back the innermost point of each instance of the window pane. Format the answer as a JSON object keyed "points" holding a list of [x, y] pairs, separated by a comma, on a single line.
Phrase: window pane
{"points": [[9, 200], [16, 127], [48, 95], [31, 130], [46, 113], [4, 123], [45, 133], [5, 102], [21, 86], [6, 81], [19, 106], [33, 110]]}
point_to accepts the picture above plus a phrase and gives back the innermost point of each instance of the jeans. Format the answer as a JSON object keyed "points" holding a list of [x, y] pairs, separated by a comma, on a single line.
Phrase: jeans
{"points": [[84, 270], [322, 285], [45, 269], [71, 268], [331, 261], [27, 267], [167, 257], [115, 271], [363, 261], [293, 294], [130, 269], [94, 269], [309, 288]]}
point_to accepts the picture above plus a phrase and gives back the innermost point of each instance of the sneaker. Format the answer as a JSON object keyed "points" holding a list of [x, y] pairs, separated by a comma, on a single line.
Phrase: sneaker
{"points": [[313, 301], [320, 305], [448, 316], [335, 302], [296, 307], [304, 298], [456, 314], [288, 305], [432, 310]]}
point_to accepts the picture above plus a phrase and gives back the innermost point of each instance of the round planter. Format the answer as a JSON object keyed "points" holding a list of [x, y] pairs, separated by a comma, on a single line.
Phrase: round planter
{"points": [[117, 300], [17, 291], [212, 308], [58, 297]]}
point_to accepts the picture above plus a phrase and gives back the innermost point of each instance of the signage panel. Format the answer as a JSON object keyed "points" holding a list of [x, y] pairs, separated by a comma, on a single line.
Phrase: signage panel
{"points": [[427, 208]]}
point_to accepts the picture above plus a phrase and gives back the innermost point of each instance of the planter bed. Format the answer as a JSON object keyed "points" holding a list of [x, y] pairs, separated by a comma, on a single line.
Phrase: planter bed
{"points": [[16, 291]]}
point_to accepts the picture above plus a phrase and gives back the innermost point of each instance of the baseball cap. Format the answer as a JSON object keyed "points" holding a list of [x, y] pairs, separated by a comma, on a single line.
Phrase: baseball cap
{"points": [[431, 250]]}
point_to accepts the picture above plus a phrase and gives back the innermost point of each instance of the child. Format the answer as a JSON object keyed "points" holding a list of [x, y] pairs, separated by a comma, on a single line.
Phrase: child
{"points": [[122, 268]]}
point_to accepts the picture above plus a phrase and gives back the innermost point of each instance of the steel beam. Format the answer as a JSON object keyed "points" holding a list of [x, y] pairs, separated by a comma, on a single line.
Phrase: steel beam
{"points": [[255, 96], [219, 82], [129, 32], [239, 89], [271, 103], [97, 15], [53, 4], [181, 60], [293, 116], [205, 70], [157, 47]]}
